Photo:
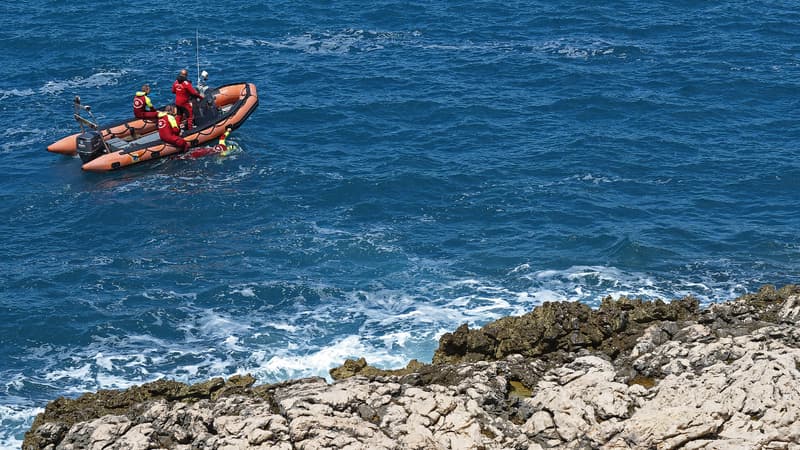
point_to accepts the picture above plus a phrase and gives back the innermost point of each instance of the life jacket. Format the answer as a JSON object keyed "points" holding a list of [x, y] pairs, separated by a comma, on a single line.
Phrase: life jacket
{"points": [[225, 135], [142, 103], [170, 121], [221, 146]]}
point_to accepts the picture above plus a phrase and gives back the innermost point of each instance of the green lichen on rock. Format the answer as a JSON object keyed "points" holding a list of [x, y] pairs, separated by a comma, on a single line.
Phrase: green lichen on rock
{"points": [[754, 309], [554, 329], [647, 382], [359, 367], [64, 412], [519, 390]]}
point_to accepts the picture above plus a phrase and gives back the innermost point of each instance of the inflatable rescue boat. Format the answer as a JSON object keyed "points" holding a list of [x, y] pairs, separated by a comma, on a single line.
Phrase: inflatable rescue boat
{"points": [[133, 141]]}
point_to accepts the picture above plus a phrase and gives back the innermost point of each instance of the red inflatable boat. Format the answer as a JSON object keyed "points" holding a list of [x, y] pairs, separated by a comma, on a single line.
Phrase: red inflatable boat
{"points": [[123, 144]]}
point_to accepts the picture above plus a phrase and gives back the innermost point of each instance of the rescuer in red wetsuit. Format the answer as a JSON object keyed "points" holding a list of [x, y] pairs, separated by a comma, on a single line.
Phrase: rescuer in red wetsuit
{"points": [[184, 91], [168, 129], [142, 106]]}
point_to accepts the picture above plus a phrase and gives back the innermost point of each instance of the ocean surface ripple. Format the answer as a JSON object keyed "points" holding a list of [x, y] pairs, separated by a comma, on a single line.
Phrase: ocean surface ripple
{"points": [[412, 166]]}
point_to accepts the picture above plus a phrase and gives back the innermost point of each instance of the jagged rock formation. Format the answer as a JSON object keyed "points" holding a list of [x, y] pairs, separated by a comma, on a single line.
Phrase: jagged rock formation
{"points": [[628, 375]]}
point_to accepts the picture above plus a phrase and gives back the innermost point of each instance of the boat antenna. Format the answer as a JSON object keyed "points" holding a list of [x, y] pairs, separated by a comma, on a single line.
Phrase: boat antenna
{"points": [[197, 52]]}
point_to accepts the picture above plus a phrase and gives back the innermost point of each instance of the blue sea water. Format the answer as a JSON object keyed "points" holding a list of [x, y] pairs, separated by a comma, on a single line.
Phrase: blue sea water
{"points": [[412, 166]]}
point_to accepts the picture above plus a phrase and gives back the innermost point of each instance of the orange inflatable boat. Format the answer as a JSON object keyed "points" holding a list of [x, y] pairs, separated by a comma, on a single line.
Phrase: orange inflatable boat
{"points": [[123, 144]]}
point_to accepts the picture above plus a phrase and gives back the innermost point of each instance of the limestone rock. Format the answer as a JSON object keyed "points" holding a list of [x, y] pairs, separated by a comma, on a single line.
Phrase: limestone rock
{"points": [[630, 375]]}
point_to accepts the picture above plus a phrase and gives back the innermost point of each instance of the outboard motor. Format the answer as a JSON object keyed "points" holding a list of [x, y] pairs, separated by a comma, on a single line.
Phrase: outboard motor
{"points": [[90, 141], [90, 145]]}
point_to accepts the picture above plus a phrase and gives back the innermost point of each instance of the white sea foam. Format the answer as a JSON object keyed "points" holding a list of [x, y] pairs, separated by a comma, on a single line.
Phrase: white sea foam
{"points": [[107, 78], [15, 417], [317, 363], [282, 326], [4, 94], [313, 363], [158, 294], [332, 42], [81, 372], [17, 413], [564, 47], [20, 140], [376, 238], [103, 361], [105, 380], [571, 48], [393, 340], [590, 284], [193, 178], [218, 325], [101, 261], [246, 291]]}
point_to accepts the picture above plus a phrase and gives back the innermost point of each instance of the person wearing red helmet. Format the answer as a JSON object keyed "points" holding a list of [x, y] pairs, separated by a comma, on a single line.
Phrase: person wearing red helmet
{"points": [[184, 91]]}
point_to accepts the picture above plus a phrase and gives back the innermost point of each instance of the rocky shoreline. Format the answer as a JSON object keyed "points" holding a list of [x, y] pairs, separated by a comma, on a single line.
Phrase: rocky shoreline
{"points": [[628, 375]]}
